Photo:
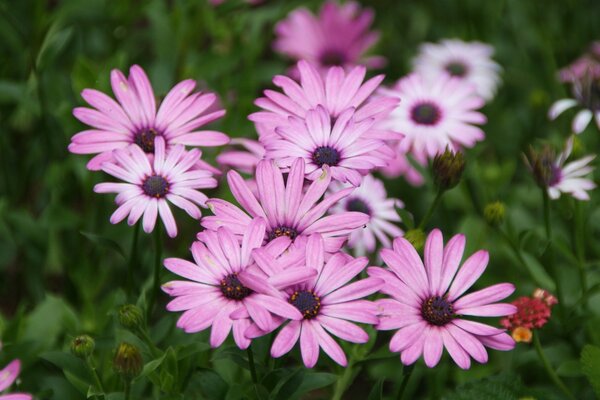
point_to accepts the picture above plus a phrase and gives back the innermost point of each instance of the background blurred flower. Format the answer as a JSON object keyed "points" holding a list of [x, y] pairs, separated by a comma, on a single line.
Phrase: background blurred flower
{"points": [[532, 313], [150, 185], [427, 304], [434, 115], [586, 65], [399, 165], [134, 119], [370, 198], [338, 36], [468, 61], [8, 375], [289, 209]]}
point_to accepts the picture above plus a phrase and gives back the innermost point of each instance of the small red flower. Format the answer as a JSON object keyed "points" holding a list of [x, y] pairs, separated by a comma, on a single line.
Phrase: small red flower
{"points": [[532, 313]]}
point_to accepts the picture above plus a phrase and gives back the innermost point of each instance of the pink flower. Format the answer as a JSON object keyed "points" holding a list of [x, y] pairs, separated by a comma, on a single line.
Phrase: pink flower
{"points": [[569, 178], [8, 375], [586, 65], [427, 305], [370, 198], [328, 302], [468, 61], [244, 160], [339, 36], [289, 209], [586, 93], [223, 286], [150, 184], [435, 114], [336, 94], [134, 118]]}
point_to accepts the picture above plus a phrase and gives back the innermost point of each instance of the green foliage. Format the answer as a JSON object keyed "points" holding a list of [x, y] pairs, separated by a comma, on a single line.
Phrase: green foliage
{"points": [[590, 366]]}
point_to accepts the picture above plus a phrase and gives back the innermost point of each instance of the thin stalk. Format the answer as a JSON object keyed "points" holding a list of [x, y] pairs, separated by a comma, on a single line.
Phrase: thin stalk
{"points": [[578, 238], [550, 257], [132, 265], [551, 373], [127, 389], [156, 279], [156, 352], [432, 207], [95, 375], [345, 380], [252, 366], [408, 370]]}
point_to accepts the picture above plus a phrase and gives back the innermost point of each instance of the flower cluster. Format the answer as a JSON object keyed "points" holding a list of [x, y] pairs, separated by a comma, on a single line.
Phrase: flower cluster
{"points": [[532, 313]]}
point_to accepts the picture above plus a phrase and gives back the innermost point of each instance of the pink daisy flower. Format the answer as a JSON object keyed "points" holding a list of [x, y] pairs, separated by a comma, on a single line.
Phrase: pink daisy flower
{"points": [[435, 114], [338, 36], [152, 183], [133, 118], [468, 61], [428, 304], [370, 198], [338, 92], [587, 64], [8, 376], [570, 178], [328, 303], [289, 209], [223, 285], [586, 93]]}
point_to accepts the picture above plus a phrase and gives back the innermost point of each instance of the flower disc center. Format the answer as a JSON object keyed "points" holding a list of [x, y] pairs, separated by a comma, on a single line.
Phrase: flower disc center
{"points": [[437, 310], [356, 204], [426, 113], [282, 231], [307, 302], [456, 68], [155, 186], [326, 155], [331, 58], [232, 288], [145, 139]]}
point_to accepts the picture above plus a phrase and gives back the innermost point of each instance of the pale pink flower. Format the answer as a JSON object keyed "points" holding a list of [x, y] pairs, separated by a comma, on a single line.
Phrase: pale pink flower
{"points": [[468, 61], [244, 160], [370, 198], [586, 93], [428, 305], [223, 291], [435, 115], [399, 165], [151, 183], [289, 208], [338, 36], [133, 118], [8, 376], [570, 178], [329, 303]]}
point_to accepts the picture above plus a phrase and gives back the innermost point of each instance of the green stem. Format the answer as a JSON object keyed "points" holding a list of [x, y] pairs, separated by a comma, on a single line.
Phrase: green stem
{"points": [[551, 373], [156, 352], [578, 236], [132, 265], [408, 370], [252, 366], [95, 375], [345, 380], [547, 215], [127, 389], [432, 207], [550, 257], [157, 262]]}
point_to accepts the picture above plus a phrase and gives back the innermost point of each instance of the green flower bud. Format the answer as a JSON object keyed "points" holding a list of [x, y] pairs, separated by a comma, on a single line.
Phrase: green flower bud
{"points": [[83, 346], [416, 237], [128, 361], [131, 317], [494, 213], [447, 169]]}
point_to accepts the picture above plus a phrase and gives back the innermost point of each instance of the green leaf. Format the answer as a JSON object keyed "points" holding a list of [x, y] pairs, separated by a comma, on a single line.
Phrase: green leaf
{"points": [[151, 366], [212, 386], [500, 387], [74, 369], [570, 369], [407, 218], [538, 273], [317, 380], [377, 391], [102, 241], [590, 366]]}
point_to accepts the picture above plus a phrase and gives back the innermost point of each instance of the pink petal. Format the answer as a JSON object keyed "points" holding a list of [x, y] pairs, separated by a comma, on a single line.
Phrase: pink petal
{"points": [[434, 251], [481, 297], [406, 337], [309, 344], [356, 290], [329, 346], [344, 329], [433, 345], [468, 274], [286, 339]]}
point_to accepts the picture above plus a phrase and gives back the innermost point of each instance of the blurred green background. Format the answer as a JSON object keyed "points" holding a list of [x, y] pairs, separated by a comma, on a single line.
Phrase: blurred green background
{"points": [[56, 282]]}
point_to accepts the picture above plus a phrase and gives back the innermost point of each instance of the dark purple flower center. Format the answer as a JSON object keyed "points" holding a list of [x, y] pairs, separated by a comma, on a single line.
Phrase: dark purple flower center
{"points": [[155, 186], [326, 155], [587, 92], [331, 58], [232, 288], [356, 204], [145, 139], [555, 175], [307, 302], [437, 310], [282, 231], [456, 68], [426, 113]]}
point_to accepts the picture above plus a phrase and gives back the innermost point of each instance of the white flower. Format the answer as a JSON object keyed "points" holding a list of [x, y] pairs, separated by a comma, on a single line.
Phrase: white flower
{"points": [[587, 95], [569, 178]]}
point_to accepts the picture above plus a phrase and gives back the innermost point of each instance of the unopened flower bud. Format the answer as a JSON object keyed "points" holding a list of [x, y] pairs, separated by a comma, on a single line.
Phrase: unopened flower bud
{"points": [[131, 317], [494, 213], [82, 346], [128, 361], [416, 237], [542, 165], [448, 168]]}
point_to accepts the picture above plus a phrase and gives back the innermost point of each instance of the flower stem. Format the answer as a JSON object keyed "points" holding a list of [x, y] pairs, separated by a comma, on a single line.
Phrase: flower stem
{"points": [[252, 366], [127, 389], [156, 279], [345, 380], [95, 375], [551, 373], [578, 238], [550, 258], [407, 373], [132, 265], [432, 207], [547, 215]]}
